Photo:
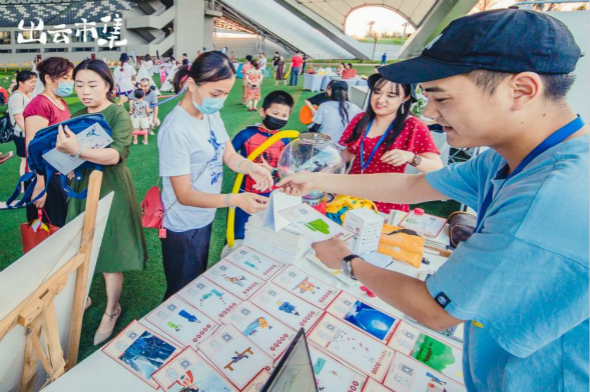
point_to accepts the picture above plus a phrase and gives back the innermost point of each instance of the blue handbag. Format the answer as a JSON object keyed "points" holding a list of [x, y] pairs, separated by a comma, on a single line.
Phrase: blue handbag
{"points": [[44, 141]]}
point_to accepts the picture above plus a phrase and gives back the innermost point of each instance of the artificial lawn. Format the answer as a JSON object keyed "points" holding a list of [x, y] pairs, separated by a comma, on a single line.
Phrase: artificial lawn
{"points": [[143, 291]]}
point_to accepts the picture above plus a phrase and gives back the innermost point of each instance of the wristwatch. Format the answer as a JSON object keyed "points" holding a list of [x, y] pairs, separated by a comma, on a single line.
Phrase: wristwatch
{"points": [[347, 266], [416, 160]]}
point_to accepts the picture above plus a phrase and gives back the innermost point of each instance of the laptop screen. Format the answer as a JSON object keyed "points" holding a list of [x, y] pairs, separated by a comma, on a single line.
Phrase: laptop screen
{"points": [[294, 372]]}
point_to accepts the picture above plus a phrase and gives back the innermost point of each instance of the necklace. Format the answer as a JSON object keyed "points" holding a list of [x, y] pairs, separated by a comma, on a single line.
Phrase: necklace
{"points": [[59, 106]]}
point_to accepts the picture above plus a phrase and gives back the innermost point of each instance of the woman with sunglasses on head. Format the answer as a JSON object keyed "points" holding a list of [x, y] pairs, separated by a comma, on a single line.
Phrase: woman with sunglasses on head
{"points": [[386, 138], [123, 245], [193, 145]]}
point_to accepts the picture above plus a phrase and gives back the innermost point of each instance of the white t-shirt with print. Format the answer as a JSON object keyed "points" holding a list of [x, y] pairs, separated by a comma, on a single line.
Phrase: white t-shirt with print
{"points": [[187, 145], [123, 78]]}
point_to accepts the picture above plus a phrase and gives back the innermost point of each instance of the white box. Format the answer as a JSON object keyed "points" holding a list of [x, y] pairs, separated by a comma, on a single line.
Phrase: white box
{"points": [[367, 225]]}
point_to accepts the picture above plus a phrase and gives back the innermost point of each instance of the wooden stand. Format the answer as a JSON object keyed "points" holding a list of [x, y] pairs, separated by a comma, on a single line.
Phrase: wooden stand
{"points": [[37, 313]]}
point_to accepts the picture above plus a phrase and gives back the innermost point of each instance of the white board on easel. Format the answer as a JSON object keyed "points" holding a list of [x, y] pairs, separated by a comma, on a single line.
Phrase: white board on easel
{"points": [[24, 276]]}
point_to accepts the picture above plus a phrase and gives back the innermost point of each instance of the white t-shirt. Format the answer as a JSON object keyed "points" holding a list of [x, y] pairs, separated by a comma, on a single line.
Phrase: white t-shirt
{"points": [[262, 63], [16, 105], [187, 145], [123, 78], [329, 118]]}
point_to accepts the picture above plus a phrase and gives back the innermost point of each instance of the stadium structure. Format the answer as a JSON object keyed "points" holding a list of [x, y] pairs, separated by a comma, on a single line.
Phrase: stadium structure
{"points": [[173, 27]]}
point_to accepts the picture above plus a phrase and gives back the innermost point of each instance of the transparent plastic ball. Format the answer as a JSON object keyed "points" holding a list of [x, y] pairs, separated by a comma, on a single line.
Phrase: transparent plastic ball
{"points": [[312, 152]]}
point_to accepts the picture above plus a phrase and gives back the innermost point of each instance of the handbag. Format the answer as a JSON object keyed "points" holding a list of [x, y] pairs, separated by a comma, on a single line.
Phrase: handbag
{"points": [[31, 237], [152, 209], [44, 141], [6, 129], [461, 226]]}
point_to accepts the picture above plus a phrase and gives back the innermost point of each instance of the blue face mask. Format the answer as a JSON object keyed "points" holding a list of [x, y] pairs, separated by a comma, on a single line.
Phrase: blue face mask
{"points": [[209, 105], [64, 89]]}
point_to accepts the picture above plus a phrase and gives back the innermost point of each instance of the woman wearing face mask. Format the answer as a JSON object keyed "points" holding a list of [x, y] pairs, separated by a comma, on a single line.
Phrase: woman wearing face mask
{"points": [[386, 138], [193, 145], [123, 245], [275, 112], [46, 109]]}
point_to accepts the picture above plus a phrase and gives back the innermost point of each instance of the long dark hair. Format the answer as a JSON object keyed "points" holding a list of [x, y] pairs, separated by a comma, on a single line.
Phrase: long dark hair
{"points": [[22, 77], [340, 95], [400, 117], [208, 67], [102, 69]]}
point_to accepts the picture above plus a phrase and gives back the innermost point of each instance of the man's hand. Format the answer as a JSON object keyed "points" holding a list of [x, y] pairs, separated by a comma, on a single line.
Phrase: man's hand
{"points": [[397, 157], [67, 142], [331, 252], [298, 184]]}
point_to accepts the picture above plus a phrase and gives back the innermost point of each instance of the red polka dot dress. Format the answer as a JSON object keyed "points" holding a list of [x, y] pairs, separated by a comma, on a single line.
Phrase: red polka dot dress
{"points": [[414, 138]]}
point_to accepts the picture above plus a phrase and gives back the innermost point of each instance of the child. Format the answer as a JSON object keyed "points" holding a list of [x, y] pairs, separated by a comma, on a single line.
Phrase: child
{"points": [[275, 112], [140, 111], [254, 80]]}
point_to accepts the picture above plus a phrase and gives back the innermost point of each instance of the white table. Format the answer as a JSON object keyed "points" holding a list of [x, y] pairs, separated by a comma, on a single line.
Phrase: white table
{"points": [[312, 82], [99, 373]]}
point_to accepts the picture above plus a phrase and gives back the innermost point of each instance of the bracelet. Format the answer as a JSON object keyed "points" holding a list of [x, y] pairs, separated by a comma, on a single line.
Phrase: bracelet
{"points": [[239, 164], [227, 203], [78, 153]]}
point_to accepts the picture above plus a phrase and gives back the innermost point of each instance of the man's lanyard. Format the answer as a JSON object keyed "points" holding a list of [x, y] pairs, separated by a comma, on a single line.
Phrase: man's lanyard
{"points": [[554, 139], [364, 164]]}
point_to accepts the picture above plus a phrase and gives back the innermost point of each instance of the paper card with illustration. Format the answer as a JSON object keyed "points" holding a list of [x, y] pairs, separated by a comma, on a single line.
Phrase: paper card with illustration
{"points": [[277, 202], [188, 371], [141, 351], [374, 386], [214, 301], [306, 287], [92, 137], [408, 375], [362, 352], [234, 279], [236, 357], [314, 224], [181, 321], [363, 316], [331, 375], [260, 327], [286, 307], [254, 262], [433, 352], [258, 382]]}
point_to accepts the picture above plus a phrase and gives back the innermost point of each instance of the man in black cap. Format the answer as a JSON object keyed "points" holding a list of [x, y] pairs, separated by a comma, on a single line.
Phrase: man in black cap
{"points": [[520, 283]]}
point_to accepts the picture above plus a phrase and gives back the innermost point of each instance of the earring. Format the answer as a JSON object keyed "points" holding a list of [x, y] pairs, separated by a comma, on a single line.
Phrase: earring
{"points": [[402, 108]]}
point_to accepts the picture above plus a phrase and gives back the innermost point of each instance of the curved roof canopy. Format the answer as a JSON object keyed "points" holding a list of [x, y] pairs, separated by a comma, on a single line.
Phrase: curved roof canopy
{"points": [[336, 11]]}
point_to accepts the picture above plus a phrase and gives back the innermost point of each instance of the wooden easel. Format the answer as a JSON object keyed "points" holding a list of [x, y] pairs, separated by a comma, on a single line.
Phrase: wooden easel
{"points": [[37, 313]]}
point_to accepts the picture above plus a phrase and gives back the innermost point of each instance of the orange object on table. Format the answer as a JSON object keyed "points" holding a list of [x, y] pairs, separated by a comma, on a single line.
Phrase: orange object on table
{"points": [[305, 115]]}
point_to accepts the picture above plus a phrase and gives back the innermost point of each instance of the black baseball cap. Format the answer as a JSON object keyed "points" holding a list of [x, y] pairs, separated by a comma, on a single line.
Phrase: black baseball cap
{"points": [[507, 40]]}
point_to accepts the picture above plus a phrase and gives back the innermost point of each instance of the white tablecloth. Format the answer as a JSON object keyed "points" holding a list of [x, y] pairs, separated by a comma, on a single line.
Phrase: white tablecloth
{"points": [[312, 82]]}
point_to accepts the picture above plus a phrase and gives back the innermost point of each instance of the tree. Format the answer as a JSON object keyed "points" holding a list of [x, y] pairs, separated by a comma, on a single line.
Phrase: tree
{"points": [[484, 5]]}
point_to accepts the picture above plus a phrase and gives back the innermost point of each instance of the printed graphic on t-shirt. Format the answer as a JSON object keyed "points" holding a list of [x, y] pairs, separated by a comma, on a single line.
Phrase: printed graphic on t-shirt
{"points": [[216, 164]]}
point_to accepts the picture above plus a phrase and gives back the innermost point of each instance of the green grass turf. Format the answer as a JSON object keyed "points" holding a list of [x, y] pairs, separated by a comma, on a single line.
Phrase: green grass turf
{"points": [[143, 291]]}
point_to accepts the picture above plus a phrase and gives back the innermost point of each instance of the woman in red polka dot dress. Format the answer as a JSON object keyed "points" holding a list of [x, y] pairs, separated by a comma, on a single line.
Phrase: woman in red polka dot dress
{"points": [[386, 138]]}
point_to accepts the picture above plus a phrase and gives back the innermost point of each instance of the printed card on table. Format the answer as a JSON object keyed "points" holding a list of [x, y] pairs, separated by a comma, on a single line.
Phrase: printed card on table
{"points": [[254, 262], [432, 352], [188, 371], [214, 301], [362, 352], [408, 375], [306, 287], [374, 386], [286, 307], [365, 317], [234, 279], [261, 328], [259, 382], [333, 376], [315, 225], [236, 357], [182, 322], [141, 351]]}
